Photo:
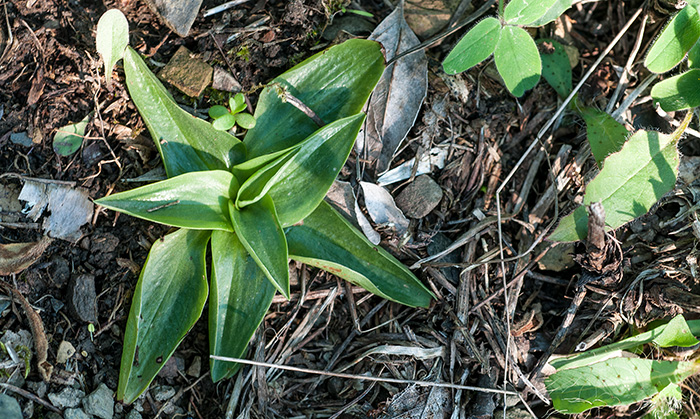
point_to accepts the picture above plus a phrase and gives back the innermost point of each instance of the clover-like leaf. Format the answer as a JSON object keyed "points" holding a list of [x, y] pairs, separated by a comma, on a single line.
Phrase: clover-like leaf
{"points": [[168, 299], [111, 39], [260, 232], [245, 120], [197, 200], [525, 12], [68, 139], [556, 10], [186, 143], [334, 83], [326, 240], [224, 122], [239, 299], [237, 103], [677, 38], [217, 111], [517, 60], [476, 46]]}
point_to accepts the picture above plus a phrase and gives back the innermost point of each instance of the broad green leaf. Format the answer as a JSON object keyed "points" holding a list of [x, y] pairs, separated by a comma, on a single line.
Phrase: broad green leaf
{"points": [[237, 103], [186, 143], [524, 12], [474, 47], [245, 120], [111, 39], [678, 92], [676, 333], [217, 111], [224, 122], [556, 68], [68, 139], [308, 171], [631, 181], [517, 60], [677, 38], [326, 240], [260, 232], [240, 298], [245, 170], [168, 299], [197, 200], [557, 9], [301, 185], [334, 83], [605, 135], [694, 56], [614, 382]]}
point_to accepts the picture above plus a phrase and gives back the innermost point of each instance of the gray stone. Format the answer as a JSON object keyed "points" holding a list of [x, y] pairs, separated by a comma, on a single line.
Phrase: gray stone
{"points": [[37, 387], [133, 415], [420, 197], [9, 408], [100, 402], [68, 397], [162, 393], [75, 414], [82, 298], [225, 81], [21, 138]]}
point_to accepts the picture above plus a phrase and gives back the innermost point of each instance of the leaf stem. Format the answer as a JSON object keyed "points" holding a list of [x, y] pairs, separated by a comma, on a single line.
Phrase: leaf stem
{"points": [[500, 8]]}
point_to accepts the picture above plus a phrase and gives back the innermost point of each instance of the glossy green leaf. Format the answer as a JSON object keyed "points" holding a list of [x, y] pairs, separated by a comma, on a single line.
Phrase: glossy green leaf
{"points": [[245, 120], [111, 39], [631, 181], [237, 103], [301, 185], [676, 333], [517, 60], [614, 382], [186, 143], [308, 171], [68, 139], [525, 12], [556, 68], [224, 122], [217, 111], [678, 92], [168, 299], [260, 232], [326, 240], [240, 298], [605, 135], [197, 200], [245, 170], [694, 56], [677, 38], [474, 47], [557, 9], [334, 83]]}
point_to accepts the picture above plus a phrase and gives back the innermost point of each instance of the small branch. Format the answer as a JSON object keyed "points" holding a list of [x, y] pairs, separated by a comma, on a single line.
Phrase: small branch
{"points": [[284, 94]]}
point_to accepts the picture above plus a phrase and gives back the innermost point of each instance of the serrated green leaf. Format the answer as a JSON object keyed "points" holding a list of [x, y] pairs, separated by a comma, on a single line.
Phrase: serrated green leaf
{"points": [[678, 92], [474, 47], [631, 181], [614, 382], [517, 60], [308, 171], [326, 240], [186, 143], [111, 39], [240, 298], [237, 103], [68, 139], [557, 9], [525, 12], [676, 333], [334, 83], [260, 232], [677, 38], [217, 111], [605, 135], [245, 120], [224, 122], [168, 299], [556, 68], [197, 200]]}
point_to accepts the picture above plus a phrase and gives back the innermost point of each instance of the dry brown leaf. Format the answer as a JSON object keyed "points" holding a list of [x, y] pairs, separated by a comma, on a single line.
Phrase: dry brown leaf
{"points": [[16, 257]]}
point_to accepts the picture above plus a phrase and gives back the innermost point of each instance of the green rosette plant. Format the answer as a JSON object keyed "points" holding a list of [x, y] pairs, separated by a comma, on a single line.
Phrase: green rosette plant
{"points": [[253, 204]]}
